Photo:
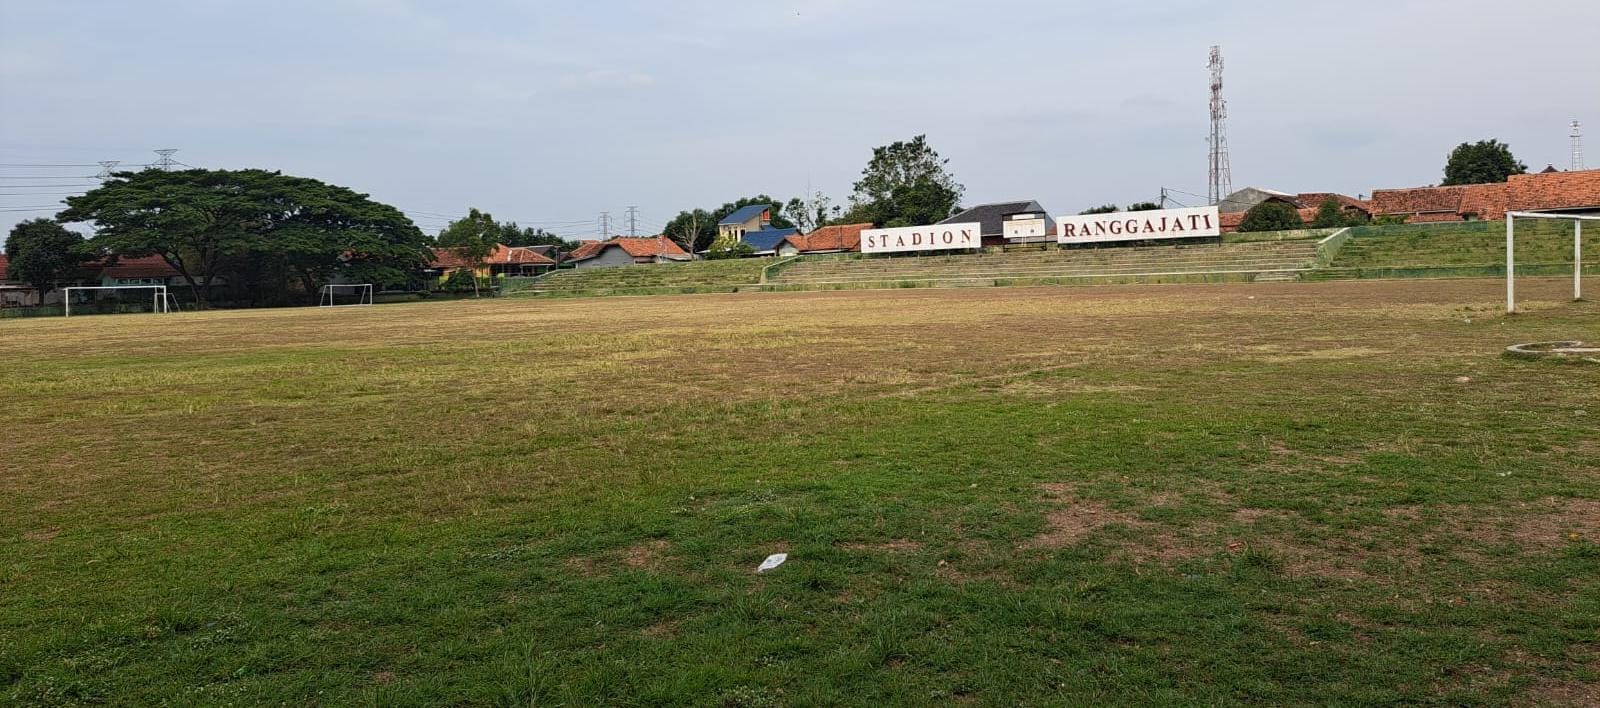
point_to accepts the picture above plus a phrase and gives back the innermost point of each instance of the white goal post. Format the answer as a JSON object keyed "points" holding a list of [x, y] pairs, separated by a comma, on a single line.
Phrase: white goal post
{"points": [[160, 300], [363, 292], [1511, 251]]}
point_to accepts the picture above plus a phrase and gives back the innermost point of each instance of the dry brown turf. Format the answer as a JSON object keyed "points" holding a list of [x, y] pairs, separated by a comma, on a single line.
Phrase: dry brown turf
{"points": [[1351, 470]]}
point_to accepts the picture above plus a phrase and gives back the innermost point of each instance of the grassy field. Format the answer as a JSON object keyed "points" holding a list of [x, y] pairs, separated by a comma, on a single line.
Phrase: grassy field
{"points": [[1273, 493]]}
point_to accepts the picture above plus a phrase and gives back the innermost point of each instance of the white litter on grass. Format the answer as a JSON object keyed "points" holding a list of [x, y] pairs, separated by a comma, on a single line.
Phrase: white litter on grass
{"points": [[771, 562]]}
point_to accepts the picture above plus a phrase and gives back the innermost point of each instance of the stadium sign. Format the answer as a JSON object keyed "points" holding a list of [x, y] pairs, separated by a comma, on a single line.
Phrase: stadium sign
{"points": [[943, 237], [1139, 225]]}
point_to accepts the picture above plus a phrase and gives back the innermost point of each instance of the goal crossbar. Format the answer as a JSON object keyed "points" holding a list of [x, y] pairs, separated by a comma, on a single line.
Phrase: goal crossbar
{"points": [[363, 294], [160, 300], [1511, 250]]}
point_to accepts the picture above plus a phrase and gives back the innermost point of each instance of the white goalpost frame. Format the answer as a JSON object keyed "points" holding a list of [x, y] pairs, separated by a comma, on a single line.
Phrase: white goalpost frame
{"points": [[160, 301], [364, 294], [1511, 246]]}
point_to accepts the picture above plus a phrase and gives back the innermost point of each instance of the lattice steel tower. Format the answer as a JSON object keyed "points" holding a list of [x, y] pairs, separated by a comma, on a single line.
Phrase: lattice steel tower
{"points": [[1577, 146], [1221, 179], [165, 161]]}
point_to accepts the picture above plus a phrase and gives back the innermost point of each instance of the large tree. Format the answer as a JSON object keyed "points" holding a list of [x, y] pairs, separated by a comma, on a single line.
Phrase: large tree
{"points": [[41, 252], [1481, 162], [250, 226], [472, 238], [905, 183]]}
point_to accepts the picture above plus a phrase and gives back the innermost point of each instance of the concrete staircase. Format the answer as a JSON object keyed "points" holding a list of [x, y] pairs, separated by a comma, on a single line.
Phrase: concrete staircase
{"points": [[1265, 260]]}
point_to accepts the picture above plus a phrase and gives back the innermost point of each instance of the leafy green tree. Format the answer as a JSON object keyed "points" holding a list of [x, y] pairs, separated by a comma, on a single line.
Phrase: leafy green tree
{"points": [[1144, 206], [41, 252], [905, 183], [1480, 163], [811, 213], [250, 226], [1107, 209], [694, 229], [1330, 214], [472, 238], [513, 235], [1271, 216]]}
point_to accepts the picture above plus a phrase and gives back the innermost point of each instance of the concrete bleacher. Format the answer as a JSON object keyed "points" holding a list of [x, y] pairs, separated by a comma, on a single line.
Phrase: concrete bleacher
{"points": [[651, 279], [1264, 260]]}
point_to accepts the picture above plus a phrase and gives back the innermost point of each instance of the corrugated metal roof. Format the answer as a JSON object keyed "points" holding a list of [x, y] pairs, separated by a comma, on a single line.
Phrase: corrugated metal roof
{"points": [[767, 239], [744, 214]]}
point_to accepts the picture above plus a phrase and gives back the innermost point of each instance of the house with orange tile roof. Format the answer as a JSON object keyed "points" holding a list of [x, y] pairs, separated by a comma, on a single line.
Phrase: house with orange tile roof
{"points": [[504, 260], [840, 238], [1562, 192], [626, 250]]}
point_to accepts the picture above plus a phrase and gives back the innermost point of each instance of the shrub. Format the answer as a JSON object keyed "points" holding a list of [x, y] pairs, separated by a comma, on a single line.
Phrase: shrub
{"points": [[738, 250], [1271, 216]]}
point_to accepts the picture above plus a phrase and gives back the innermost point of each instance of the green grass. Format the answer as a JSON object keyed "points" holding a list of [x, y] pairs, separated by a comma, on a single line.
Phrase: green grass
{"points": [[1175, 494]]}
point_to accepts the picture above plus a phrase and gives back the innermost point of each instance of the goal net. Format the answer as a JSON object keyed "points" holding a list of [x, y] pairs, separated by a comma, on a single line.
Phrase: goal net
{"points": [[109, 299], [345, 295], [1547, 251]]}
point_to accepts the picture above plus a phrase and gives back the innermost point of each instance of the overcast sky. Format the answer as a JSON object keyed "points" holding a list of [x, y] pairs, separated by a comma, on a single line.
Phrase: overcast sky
{"points": [[551, 112]]}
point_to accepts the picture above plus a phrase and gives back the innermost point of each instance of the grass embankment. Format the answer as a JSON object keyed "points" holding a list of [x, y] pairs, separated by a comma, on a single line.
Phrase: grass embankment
{"points": [[1473, 249], [1173, 494]]}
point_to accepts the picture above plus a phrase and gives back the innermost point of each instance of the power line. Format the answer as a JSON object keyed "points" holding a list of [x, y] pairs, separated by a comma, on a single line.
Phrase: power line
{"points": [[12, 165]]}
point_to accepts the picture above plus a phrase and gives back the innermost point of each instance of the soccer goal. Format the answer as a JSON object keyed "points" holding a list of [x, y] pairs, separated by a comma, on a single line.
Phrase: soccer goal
{"points": [[1511, 251], [345, 295], [161, 301]]}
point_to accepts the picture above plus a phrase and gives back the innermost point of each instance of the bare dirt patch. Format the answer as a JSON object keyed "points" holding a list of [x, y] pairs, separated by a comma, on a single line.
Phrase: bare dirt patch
{"points": [[42, 535], [899, 545], [646, 555], [665, 629], [1076, 518]]}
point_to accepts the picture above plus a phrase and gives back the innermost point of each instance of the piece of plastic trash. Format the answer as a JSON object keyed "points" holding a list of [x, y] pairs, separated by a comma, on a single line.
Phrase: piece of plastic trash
{"points": [[772, 561]]}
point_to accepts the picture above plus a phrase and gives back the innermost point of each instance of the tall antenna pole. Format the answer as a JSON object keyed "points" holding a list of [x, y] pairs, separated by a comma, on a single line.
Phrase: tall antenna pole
{"points": [[1577, 146], [107, 168], [165, 162], [605, 226], [633, 222], [1221, 178]]}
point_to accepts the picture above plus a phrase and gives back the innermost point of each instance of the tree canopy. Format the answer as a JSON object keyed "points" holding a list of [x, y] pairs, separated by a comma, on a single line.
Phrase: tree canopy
{"points": [[1271, 216], [905, 183], [1481, 162], [255, 230], [1106, 209], [40, 252]]}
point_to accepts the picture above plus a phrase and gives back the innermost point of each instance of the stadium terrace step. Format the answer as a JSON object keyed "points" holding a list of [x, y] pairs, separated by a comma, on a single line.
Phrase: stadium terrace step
{"points": [[1055, 265]]}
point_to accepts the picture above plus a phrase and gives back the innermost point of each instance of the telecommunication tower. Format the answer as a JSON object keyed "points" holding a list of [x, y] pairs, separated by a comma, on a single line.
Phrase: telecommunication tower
{"points": [[1221, 177]]}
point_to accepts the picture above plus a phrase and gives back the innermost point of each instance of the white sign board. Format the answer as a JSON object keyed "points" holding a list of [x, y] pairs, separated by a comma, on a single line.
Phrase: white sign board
{"points": [[1139, 225], [1025, 228], [944, 237]]}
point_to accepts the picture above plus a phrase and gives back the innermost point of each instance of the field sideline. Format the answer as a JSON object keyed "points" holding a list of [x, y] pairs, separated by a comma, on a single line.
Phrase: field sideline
{"points": [[1211, 494]]}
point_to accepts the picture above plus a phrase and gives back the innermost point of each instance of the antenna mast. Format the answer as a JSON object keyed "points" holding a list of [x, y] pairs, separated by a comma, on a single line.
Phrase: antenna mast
{"points": [[1221, 178]]}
